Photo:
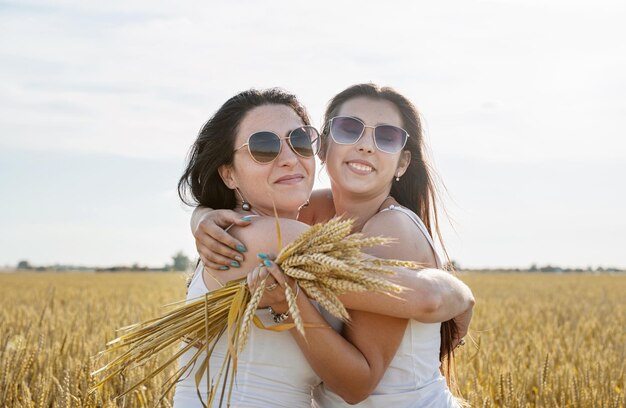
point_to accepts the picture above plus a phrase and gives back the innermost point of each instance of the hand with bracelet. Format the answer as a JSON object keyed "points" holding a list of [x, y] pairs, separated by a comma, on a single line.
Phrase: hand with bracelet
{"points": [[272, 298]]}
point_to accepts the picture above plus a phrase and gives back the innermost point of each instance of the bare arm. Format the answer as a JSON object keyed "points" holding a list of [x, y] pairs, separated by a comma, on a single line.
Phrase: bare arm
{"points": [[432, 296], [350, 366]]}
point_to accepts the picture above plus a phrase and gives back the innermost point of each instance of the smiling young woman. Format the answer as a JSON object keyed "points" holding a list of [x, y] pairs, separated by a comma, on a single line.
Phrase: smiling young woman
{"points": [[360, 171]]}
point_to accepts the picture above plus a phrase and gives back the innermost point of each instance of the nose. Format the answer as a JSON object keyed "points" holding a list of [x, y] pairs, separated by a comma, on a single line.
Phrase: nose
{"points": [[286, 157], [366, 142]]}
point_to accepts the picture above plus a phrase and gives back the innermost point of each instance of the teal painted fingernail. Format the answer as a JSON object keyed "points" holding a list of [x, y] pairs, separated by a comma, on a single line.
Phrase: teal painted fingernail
{"points": [[262, 255], [234, 264], [240, 248], [246, 218], [267, 263], [224, 268]]}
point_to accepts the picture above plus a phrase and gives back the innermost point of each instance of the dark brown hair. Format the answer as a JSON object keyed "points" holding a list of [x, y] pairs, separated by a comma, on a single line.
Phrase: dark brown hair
{"points": [[201, 184], [416, 189]]}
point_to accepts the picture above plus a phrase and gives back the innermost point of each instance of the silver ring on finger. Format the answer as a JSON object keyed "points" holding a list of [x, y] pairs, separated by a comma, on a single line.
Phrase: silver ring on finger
{"points": [[271, 287]]}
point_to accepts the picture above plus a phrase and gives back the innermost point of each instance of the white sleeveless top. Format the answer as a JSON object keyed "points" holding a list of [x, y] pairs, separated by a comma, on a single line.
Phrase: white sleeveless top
{"points": [[413, 378], [271, 370]]}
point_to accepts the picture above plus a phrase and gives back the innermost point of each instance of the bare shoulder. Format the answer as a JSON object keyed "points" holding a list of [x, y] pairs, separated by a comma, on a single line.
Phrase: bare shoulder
{"points": [[409, 242], [321, 207], [263, 232]]}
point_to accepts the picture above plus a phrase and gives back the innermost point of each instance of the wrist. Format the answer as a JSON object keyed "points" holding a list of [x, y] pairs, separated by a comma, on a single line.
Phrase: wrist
{"points": [[278, 317], [280, 310], [279, 307]]}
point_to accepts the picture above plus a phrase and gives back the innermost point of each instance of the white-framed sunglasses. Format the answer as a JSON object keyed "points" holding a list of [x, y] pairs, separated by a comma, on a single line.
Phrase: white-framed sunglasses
{"points": [[347, 130]]}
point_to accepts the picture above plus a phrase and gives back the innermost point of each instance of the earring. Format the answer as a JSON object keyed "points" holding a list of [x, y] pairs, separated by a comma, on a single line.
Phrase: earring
{"points": [[244, 204], [398, 176]]}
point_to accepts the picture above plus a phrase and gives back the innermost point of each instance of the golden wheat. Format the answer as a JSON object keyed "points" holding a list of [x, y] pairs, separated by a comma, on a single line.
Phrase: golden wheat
{"points": [[545, 340]]}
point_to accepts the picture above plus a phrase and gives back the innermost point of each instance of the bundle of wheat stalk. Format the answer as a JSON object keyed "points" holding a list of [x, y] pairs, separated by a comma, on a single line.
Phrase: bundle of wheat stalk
{"points": [[325, 261]]}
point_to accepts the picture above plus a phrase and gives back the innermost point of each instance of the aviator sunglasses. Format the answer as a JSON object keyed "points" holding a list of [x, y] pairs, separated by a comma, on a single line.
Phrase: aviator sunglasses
{"points": [[265, 146], [347, 130]]}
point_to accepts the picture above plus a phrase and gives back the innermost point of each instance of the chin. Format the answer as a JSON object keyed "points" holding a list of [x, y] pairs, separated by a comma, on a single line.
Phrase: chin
{"points": [[356, 186], [297, 201], [291, 201]]}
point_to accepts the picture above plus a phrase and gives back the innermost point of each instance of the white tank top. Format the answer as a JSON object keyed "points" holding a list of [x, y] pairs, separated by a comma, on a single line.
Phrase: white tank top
{"points": [[271, 370], [413, 378]]}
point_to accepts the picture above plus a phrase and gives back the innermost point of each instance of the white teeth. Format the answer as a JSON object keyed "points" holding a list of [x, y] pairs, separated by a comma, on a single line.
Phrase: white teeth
{"points": [[361, 167]]}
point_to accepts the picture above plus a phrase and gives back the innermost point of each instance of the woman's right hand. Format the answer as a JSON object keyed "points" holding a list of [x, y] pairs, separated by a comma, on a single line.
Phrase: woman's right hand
{"points": [[216, 247], [275, 282]]}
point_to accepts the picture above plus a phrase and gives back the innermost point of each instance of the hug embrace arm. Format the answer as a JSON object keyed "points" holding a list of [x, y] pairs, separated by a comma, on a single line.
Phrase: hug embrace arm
{"points": [[353, 364], [432, 295]]}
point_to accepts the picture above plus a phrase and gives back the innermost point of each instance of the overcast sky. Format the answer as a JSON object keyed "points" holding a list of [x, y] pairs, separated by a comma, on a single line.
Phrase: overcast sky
{"points": [[524, 104]]}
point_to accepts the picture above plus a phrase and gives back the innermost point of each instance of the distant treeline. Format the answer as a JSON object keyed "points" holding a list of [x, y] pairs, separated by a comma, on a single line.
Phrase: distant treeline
{"points": [[546, 268], [181, 263], [80, 268]]}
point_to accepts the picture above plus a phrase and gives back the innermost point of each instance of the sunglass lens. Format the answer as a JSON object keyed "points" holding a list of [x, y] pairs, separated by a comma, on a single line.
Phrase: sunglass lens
{"points": [[390, 139], [304, 141], [345, 130], [264, 146]]}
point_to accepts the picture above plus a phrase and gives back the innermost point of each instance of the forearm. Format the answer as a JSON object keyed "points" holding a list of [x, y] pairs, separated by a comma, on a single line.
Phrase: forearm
{"points": [[341, 365], [450, 296], [431, 296], [196, 217]]}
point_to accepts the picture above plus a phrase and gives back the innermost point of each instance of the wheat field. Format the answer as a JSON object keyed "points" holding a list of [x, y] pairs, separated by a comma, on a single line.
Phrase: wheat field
{"points": [[539, 340]]}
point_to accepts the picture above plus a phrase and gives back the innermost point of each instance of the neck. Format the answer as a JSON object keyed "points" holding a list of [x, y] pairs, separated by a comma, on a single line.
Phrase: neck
{"points": [[360, 207]]}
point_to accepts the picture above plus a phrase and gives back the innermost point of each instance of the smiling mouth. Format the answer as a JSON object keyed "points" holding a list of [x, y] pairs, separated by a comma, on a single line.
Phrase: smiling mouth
{"points": [[361, 167], [290, 179]]}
